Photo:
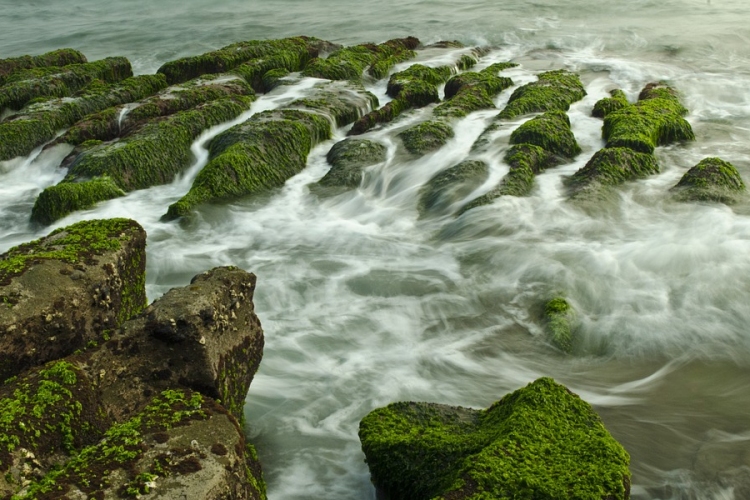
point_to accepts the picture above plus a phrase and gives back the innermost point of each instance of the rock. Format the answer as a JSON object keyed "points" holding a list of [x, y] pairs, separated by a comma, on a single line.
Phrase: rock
{"points": [[205, 337], [68, 289], [61, 57], [559, 318], [541, 442], [605, 106], [275, 53], [23, 86], [655, 120], [472, 91], [182, 445], [713, 179], [451, 186], [554, 90], [426, 137], [152, 155], [348, 158], [611, 167], [349, 63], [551, 132], [40, 122]]}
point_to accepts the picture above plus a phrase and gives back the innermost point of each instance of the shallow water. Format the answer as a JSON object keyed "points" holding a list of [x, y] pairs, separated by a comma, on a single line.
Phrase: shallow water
{"points": [[363, 303]]}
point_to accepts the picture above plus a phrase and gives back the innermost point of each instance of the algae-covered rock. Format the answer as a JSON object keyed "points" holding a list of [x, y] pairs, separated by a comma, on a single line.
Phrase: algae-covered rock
{"points": [[472, 91], [451, 186], [611, 167], [204, 337], [348, 158], [182, 445], [342, 101], [426, 137], [230, 57], [23, 86], [541, 442], [70, 288], [46, 415], [60, 57], [712, 179], [550, 131], [655, 120], [554, 90], [559, 318], [605, 106], [55, 202], [40, 122]]}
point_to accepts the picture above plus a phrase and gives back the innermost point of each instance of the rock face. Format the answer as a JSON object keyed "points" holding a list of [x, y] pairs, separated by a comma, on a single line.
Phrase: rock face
{"points": [[713, 179], [541, 442], [60, 57], [348, 158], [73, 287], [553, 90], [426, 137]]}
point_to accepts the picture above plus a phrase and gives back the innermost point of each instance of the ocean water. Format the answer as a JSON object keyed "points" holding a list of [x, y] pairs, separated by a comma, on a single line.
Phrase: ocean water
{"points": [[363, 303]]}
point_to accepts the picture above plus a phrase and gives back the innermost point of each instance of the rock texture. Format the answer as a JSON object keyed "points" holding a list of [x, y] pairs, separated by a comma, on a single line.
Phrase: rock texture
{"points": [[712, 179], [348, 158]]}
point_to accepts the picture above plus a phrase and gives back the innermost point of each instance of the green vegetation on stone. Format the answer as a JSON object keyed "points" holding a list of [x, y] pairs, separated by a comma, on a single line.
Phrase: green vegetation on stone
{"points": [[426, 137], [712, 179], [540, 442], [611, 167], [55, 202], [472, 91], [60, 57], [348, 158], [342, 101], [554, 90], [559, 317], [550, 131], [451, 185], [349, 63], [605, 106]]}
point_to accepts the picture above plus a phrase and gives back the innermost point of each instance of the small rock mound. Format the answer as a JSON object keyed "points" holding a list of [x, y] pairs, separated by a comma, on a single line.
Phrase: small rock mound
{"points": [[559, 317], [713, 179], [348, 158]]}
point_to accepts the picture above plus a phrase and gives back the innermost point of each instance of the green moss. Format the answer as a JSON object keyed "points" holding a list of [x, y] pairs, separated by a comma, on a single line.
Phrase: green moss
{"points": [[540, 442], [426, 137], [273, 78], [554, 90], [56, 202], [559, 317], [550, 131], [451, 185], [343, 102], [347, 159], [61, 57], [712, 179], [41, 122], [468, 92], [605, 106], [28, 84], [382, 67], [653, 121], [611, 167], [72, 244], [289, 60]]}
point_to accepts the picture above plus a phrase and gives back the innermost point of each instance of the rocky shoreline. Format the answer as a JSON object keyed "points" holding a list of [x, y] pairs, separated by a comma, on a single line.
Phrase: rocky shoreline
{"points": [[105, 396]]}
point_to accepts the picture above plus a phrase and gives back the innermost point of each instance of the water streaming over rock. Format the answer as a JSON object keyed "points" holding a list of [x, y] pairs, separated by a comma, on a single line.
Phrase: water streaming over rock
{"points": [[364, 303]]}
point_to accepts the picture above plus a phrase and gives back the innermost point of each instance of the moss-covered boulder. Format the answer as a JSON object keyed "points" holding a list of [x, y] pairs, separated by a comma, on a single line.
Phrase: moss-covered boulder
{"points": [[46, 415], [230, 57], [426, 137], [472, 91], [55, 202], [272, 146], [655, 120], [605, 106], [60, 57], [23, 86], [712, 179], [551, 132], [68, 289], [182, 445], [611, 167], [350, 63], [348, 158], [541, 442], [40, 122], [451, 186], [553, 90], [559, 323]]}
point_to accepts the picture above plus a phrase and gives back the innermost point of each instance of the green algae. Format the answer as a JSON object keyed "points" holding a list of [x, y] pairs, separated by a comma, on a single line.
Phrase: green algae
{"points": [[451, 185], [426, 137], [611, 167], [341, 101], [23, 86], [554, 90], [540, 442], [273, 78], [255, 70], [472, 91], [605, 106], [712, 179], [559, 317], [60, 57], [347, 159], [550, 131], [56, 202]]}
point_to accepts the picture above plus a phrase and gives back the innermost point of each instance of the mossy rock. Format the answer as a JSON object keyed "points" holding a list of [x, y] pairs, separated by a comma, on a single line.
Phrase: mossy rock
{"points": [[554, 90], [540, 442], [23, 86], [273, 78], [350, 63], [348, 158], [611, 167], [605, 106], [472, 91], [342, 102], [39, 123], [451, 186], [426, 137], [56, 202], [254, 71], [559, 319], [712, 179], [655, 120], [550, 131], [56, 58]]}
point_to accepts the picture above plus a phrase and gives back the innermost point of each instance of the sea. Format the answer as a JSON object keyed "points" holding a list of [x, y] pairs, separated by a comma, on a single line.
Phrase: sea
{"points": [[364, 303]]}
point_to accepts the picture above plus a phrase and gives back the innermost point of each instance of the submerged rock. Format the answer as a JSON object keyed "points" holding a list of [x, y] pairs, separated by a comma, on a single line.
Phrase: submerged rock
{"points": [[451, 186], [611, 167], [60, 57], [541, 442], [348, 158], [554, 90], [712, 179], [559, 317], [66, 290], [605, 106], [426, 137]]}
